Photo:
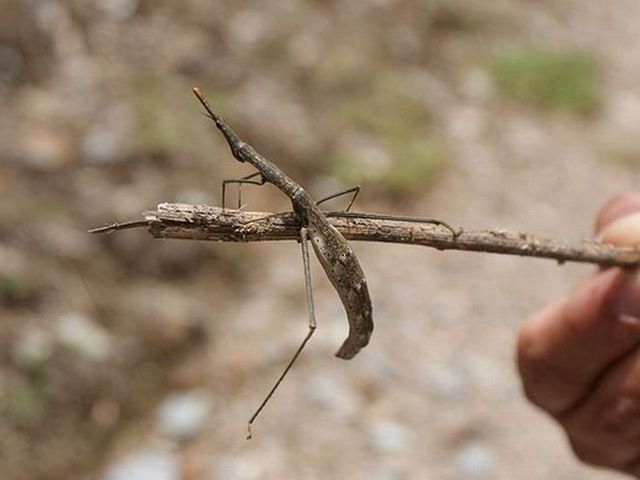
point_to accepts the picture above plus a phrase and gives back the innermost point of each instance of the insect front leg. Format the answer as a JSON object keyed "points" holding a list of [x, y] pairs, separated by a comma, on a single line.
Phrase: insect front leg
{"points": [[312, 328], [240, 182]]}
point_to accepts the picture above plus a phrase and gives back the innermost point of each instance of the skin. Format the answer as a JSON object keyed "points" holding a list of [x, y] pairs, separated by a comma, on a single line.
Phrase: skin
{"points": [[579, 357]]}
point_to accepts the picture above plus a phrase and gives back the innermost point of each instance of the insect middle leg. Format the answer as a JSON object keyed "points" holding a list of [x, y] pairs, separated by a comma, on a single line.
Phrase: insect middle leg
{"points": [[354, 190], [312, 328], [403, 218], [398, 218], [240, 182]]}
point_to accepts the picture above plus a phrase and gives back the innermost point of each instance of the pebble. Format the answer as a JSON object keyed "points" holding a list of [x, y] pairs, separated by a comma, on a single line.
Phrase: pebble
{"points": [[118, 9], [183, 414], [154, 464], [101, 146], [33, 347], [474, 459], [389, 437], [335, 394], [232, 467], [83, 335], [389, 472], [448, 382]]}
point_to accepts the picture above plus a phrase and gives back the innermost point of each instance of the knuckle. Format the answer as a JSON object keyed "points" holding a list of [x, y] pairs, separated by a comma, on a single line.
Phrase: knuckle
{"points": [[608, 436], [621, 414], [590, 455], [583, 454]]}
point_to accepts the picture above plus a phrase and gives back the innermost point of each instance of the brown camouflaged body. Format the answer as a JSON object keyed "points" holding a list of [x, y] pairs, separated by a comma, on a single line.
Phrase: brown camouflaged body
{"points": [[335, 255], [344, 272]]}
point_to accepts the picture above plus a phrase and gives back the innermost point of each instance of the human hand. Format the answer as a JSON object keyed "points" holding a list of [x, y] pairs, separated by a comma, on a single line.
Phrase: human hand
{"points": [[579, 358]]}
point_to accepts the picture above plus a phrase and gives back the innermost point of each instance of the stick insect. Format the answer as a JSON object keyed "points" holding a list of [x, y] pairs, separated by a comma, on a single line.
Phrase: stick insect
{"points": [[332, 250]]}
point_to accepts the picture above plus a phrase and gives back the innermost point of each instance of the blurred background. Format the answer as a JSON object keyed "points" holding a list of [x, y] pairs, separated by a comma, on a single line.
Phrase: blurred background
{"points": [[124, 357]]}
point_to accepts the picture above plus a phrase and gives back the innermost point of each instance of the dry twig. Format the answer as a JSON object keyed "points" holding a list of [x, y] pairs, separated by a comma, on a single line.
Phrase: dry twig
{"points": [[201, 222]]}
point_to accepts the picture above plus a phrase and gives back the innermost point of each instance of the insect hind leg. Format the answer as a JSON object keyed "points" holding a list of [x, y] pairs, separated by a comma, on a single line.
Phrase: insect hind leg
{"points": [[312, 328], [241, 181], [354, 190]]}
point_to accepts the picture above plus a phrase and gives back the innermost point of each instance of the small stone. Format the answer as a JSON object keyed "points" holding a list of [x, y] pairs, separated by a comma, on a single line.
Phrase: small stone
{"points": [[389, 436], [153, 464], [83, 335], [474, 459], [118, 9], [100, 146], [448, 382], [335, 394], [33, 347], [107, 140], [238, 467], [389, 472], [183, 414]]}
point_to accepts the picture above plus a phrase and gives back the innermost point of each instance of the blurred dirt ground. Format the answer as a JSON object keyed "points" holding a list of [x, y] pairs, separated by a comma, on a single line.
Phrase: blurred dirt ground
{"points": [[122, 357]]}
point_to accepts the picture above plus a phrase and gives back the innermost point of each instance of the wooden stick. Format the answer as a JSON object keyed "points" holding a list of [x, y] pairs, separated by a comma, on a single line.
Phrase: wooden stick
{"points": [[202, 222]]}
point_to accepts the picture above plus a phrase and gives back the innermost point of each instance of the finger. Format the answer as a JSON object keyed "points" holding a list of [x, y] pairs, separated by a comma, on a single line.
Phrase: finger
{"points": [[564, 348], [605, 429]]}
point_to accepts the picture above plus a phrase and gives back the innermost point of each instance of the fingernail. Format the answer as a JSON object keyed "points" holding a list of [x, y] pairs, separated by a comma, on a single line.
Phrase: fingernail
{"points": [[626, 303], [625, 231]]}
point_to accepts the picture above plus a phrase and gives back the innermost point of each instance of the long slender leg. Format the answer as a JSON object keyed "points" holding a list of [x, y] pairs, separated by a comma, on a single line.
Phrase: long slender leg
{"points": [[399, 218], [312, 328], [355, 190], [240, 181]]}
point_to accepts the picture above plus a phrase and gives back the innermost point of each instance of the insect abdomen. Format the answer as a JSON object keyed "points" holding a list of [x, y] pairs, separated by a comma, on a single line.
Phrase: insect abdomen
{"points": [[347, 277]]}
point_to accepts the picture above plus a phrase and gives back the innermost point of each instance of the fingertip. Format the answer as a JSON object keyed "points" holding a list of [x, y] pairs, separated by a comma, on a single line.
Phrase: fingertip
{"points": [[616, 208], [623, 232]]}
